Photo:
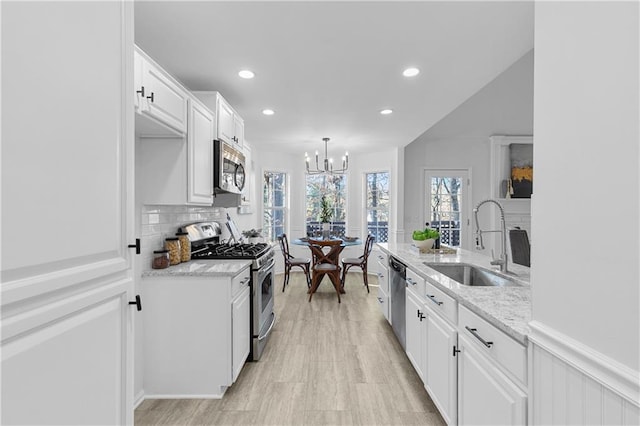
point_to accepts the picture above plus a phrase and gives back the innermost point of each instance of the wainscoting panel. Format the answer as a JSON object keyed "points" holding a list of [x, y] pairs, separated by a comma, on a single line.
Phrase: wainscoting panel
{"points": [[571, 384]]}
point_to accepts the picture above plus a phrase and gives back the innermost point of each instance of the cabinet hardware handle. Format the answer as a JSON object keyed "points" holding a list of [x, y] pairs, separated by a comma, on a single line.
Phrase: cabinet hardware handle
{"points": [[137, 302], [477, 336], [150, 97], [380, 300], [433, 299], [421, 316], [141, 91], [419, 313], [246, 280], [455, 351], [412, 282], [136, 246]]}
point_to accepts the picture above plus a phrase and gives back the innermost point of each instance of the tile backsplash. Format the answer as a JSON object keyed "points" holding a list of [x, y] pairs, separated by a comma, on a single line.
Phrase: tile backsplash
{"points": [[159, 222]]}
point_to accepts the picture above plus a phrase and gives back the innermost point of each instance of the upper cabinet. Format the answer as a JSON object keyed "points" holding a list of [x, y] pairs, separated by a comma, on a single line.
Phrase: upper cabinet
{"points": [[161, 103], [230, 127], [200, 146]]}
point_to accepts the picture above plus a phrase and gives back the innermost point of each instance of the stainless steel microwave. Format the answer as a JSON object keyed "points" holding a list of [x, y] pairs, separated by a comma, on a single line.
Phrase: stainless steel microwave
{"points": [[229, 172]]}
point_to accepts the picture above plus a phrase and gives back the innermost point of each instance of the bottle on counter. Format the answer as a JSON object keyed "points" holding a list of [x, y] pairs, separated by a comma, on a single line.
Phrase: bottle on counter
{"points": [[173, 246], [160, 259], [185, 246]]}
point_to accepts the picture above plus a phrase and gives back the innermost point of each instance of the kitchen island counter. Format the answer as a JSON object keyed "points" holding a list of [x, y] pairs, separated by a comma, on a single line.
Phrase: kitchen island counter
{"points": [[507, 308], [201, 268]]}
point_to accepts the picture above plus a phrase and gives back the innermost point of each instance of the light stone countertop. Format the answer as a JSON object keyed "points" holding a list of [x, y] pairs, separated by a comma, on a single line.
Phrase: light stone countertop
{"points": [[507, 308], [201, 268]]}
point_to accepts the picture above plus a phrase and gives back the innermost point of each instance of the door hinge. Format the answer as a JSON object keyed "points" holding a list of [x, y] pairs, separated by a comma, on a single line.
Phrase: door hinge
{"points": [[136, 246], [455, 351]]}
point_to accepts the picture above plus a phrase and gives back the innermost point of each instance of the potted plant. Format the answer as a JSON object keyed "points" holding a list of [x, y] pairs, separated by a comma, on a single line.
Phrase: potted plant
{"points": [[253, 235], [424, 239], [325, 214]]}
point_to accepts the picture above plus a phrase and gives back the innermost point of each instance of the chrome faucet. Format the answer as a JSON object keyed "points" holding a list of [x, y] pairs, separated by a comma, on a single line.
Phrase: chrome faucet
{"points": [[479, 243]]}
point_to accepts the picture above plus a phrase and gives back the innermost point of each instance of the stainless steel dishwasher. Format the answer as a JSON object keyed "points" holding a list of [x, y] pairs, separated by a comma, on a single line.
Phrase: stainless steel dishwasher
{"points": [[397, 284]]}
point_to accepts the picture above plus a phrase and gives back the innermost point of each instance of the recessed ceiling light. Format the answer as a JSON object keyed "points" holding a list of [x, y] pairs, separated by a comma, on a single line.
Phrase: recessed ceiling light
{"points": [[411, 72], [386, 111], [268, 112], [246, 74]]}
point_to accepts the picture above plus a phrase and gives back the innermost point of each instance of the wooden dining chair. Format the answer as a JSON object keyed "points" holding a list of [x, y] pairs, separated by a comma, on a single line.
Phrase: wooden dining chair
{"points": [[360, 262], [290, 261], [325, 263]]}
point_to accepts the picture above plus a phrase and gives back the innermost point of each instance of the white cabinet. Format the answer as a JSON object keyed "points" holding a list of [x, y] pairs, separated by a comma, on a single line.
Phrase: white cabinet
{"points": [[415, 331], [230, 125], [383, 289], [441, 365], [241, 307], [485, 395], [160, 100], [193, 332], [200, 158], [67, 135]]}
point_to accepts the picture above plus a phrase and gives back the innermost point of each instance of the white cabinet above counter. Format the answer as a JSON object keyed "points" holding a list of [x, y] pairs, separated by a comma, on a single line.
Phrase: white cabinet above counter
{"points": [[230, 125]]}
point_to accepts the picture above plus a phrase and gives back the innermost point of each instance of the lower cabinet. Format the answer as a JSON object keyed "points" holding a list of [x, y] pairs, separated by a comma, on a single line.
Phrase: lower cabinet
{"points": [[196, 334], [240, 326], [441, 372], [415, 331], [383, 289], [485, 395], [383, 300]]}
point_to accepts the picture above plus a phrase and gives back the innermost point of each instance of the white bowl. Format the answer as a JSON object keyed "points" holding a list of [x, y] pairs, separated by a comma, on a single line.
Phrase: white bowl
{"points": [[424, 244]]}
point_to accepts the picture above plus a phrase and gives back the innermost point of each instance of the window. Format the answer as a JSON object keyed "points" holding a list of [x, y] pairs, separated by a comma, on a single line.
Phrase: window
{"points": [[377, 202], [334, 188], [274, 205], [446, 207]]}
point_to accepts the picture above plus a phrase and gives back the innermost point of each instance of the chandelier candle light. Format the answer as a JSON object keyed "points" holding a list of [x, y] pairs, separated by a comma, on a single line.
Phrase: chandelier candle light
{"points": [[327, 163]]}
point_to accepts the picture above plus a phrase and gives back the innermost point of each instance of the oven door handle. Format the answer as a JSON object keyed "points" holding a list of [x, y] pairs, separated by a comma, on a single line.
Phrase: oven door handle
{"points": [[264, 336], [267, 269]]}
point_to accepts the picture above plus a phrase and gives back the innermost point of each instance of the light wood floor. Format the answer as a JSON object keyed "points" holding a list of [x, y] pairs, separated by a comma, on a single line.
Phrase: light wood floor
{"points": [[325, 364]]}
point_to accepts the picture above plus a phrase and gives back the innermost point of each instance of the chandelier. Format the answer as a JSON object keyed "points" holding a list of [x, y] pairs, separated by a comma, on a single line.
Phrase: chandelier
{"points": [[327, 164]]}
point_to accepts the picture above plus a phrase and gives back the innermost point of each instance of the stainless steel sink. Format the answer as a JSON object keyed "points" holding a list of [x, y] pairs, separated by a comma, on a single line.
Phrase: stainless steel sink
{"points": [[466, 274]]}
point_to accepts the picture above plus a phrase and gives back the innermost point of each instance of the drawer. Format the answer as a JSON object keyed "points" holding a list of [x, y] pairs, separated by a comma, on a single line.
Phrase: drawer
{"points": [[440, 302], [240, 281], [382, 258], [383, 301], [415, 282], [383, 277], [511, 355]]}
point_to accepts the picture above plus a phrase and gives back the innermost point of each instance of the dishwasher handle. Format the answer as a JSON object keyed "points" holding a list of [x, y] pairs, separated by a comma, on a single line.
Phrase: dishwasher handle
{"points": [[398, 266]]}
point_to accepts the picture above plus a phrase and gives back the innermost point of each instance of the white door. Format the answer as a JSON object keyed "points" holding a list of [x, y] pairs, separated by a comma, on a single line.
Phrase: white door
{"points": [[67, 213], [485, 395], [447, 205], [441, 372]]}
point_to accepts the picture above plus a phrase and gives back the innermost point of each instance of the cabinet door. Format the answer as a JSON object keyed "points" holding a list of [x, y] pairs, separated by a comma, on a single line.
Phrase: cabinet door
{"points": [[414, 329], [383, 300], [241, 329], [200, 139], [441, 372], [165, 100], [226, 125], [238, 130], [383, 277], [137, 81], [485, 395]]}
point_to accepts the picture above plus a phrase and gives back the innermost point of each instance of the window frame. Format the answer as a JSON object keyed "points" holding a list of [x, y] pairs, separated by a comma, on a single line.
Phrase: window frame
{"points": [[287, 198], [346, 201], [365, 207]]}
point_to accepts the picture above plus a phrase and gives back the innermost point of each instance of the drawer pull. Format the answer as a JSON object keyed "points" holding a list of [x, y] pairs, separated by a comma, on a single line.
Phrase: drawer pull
{"points": [[246, 280], [380, 300], [433, 299], [477, 336], [412, 282]]}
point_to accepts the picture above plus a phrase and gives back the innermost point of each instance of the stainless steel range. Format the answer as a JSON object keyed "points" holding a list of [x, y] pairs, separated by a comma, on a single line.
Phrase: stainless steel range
{"points": [[205, 244]]}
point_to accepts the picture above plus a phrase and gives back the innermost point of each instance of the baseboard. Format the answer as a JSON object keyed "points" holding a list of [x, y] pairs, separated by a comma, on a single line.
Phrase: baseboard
{"points": [[183, 396], [139, 399]]}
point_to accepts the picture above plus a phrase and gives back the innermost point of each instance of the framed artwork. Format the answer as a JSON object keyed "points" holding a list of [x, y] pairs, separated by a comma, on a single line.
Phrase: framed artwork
{"points": [[521, 158]]}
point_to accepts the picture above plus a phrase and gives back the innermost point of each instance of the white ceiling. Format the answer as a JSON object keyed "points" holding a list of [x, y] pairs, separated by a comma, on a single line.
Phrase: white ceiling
{"points": [[328, 68]]}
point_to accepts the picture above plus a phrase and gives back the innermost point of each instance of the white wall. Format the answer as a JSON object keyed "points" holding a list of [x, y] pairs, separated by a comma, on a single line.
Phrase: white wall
{"points": [[461, 139], [585, 275]]}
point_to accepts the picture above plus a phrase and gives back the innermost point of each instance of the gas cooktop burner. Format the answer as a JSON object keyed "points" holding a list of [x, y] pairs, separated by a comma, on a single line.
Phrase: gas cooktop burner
{"points": [[231, 251]]}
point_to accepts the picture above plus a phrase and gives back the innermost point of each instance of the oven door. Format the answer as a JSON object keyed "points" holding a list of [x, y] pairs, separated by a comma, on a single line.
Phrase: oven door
{"points": [[263, 318]]}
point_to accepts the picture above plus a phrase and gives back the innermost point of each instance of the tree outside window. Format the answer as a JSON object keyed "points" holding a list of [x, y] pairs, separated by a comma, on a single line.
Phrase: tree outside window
{"points": [[334, 188], [274, 205], [377, 202]]}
